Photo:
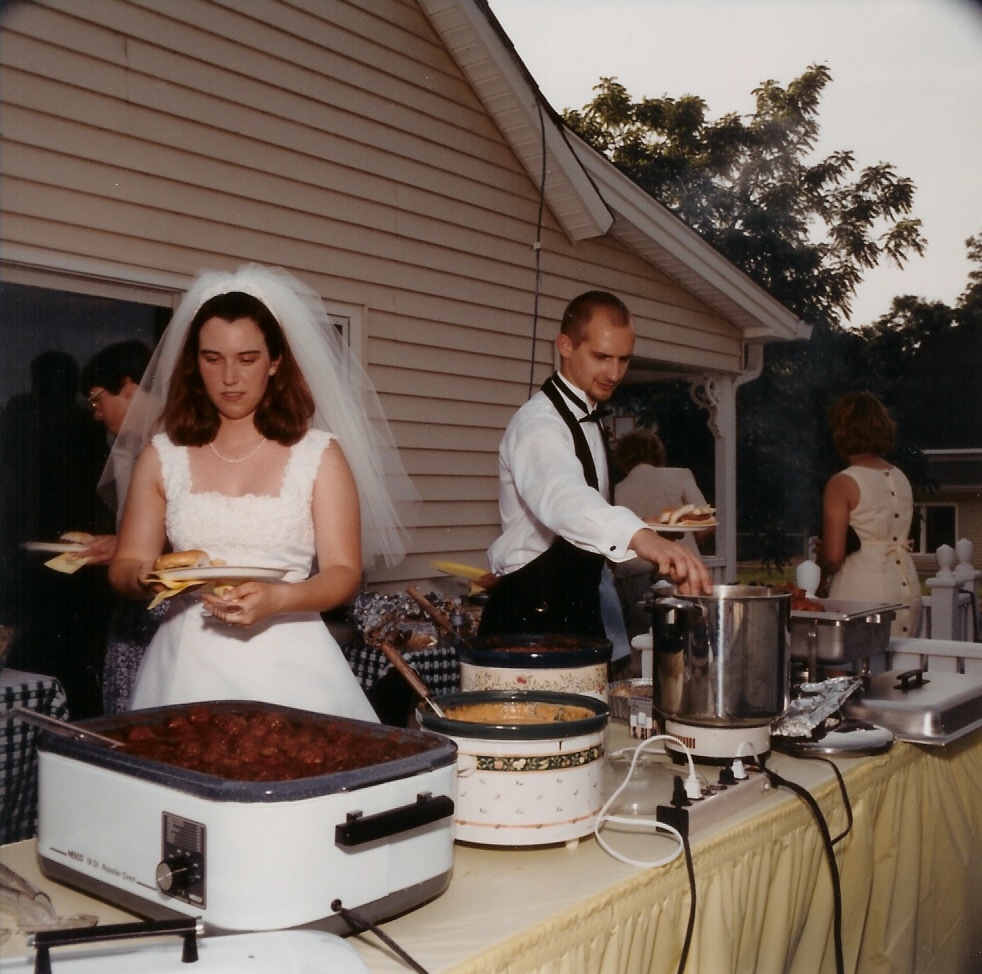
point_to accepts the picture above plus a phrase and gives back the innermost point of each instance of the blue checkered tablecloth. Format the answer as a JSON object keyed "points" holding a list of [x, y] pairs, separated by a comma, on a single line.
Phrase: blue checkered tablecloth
{"points": [[394, 618], [437, 665], [19, 772]]}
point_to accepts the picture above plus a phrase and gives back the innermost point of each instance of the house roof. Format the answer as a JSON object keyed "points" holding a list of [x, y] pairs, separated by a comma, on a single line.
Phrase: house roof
{"points": [[956, 470], [587, 194]]}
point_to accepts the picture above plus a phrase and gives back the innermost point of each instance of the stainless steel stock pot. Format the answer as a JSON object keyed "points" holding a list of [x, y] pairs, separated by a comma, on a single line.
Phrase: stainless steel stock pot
{"points": [[721, 659]]}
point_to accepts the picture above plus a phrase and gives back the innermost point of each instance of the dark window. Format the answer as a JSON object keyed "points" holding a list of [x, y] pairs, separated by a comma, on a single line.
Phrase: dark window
{"points": [[52, 451], [933, 526]]}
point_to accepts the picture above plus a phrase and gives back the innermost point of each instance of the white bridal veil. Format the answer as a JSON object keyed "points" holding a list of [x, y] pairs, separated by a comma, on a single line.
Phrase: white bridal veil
{"points": [[345, 400]]}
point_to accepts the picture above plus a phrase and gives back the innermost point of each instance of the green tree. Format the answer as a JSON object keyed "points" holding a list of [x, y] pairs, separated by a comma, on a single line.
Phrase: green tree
{"points": [[805, 230], [925, 357], [969, 310], [894, 340]]}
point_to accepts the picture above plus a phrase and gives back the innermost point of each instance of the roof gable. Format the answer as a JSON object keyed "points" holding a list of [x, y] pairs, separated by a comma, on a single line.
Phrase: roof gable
{"points": [[588, 195]]}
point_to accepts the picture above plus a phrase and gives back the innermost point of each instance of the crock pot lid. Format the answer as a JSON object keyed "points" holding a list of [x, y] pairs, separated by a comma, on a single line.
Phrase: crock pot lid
{"points": [[547, 730]]}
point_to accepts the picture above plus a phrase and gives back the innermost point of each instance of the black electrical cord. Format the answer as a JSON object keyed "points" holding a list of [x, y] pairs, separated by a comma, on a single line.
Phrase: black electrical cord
{"points": [[359, 924], [845, 798], [806, 796], [538, 251], [690, 926], [846, 804], [974, 607]]}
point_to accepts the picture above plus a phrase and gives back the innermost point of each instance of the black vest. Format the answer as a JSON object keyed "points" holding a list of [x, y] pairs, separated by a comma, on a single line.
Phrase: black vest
{"points": [[559, 591]]}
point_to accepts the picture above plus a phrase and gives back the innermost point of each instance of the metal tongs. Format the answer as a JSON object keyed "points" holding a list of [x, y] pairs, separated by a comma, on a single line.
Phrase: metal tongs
{"points": [[61, 727], [32, 908]]}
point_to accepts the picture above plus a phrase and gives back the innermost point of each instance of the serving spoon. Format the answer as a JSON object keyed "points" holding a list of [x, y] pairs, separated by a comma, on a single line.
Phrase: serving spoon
{"points": [[411, 677]]}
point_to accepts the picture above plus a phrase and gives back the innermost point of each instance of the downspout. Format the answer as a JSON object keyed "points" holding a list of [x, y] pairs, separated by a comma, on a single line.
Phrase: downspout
{"points": [[726, 456]]}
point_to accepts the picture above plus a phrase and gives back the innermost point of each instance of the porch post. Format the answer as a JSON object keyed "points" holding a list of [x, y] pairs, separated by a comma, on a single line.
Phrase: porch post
{"points": [[717, 395]]}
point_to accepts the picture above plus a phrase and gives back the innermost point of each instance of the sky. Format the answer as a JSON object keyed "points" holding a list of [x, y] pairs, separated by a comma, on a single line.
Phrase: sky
{"points": [[906, 89]]}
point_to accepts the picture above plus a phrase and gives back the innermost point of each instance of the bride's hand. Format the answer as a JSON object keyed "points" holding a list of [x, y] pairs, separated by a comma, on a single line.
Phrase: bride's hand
{"points": [[147, 580], [245, 604]]}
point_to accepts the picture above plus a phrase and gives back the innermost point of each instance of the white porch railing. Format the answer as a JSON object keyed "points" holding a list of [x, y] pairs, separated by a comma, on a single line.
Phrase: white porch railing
{"points": [[951, 611]]}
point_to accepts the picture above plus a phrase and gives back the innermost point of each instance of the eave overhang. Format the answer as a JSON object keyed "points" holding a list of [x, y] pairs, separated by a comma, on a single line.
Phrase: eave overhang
{"points": [[586, 193], [662, 239]]}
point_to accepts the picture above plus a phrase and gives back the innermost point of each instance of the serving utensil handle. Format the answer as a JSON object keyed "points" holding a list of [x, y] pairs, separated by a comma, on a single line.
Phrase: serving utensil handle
{"points": [[440, 618], [431, 610], [60, 727], [414, 680]]}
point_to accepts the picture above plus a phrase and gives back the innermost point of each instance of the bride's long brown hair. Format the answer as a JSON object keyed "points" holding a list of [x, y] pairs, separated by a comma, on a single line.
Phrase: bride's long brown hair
{"points": [[286, 408]]}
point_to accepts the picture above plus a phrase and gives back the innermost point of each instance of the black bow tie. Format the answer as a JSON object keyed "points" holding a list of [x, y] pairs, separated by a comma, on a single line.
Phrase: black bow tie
{"points": [[592, 415]]}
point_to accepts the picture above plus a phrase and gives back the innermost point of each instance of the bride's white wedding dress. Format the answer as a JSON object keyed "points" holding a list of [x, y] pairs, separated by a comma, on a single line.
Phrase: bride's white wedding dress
{"points": [[289, 659]]}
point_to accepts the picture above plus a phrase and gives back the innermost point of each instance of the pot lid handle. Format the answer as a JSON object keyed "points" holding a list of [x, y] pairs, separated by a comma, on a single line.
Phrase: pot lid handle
{"points": [[672, 603]]}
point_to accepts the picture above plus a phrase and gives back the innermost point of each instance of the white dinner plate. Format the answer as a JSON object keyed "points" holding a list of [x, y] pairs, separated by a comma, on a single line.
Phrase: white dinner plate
{"points": [[53, 547], [683, 528], [225, 573]]}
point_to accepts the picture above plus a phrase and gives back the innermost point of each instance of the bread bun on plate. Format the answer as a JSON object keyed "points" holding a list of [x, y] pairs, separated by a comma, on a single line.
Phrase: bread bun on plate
{"points": [[192, 558], [688, 514], [78, 537]]}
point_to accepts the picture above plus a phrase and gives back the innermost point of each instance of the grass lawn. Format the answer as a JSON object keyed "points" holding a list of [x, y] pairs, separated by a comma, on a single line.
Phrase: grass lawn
{"points": [[751, 572]]}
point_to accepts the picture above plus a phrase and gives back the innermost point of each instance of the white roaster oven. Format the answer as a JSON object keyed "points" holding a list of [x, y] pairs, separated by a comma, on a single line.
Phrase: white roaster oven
{"points": [[161, 840]]}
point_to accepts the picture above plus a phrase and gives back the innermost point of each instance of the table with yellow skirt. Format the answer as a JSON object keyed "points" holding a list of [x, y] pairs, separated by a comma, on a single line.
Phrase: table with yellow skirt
{"points": [[909, 869]]}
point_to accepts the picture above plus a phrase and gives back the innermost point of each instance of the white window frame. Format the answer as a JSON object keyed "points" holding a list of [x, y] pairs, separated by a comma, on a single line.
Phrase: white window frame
{"points": [[160, 289]]}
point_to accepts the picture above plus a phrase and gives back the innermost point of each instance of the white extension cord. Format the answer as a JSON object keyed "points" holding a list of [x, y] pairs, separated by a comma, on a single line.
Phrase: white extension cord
{"points": [[693, 789]]}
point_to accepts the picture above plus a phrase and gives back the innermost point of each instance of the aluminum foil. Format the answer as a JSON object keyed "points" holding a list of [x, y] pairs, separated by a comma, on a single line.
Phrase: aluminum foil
{"points": [[815, 703], [375, 614], [400, 620]]}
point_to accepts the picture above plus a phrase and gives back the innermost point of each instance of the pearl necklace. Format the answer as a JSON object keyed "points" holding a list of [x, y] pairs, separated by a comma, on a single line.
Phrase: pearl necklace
{"points": [[248, 456]]}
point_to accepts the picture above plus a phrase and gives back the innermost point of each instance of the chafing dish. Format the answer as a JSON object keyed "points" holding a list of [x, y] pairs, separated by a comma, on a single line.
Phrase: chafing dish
{"points": [[842, 632], [920, 706]]}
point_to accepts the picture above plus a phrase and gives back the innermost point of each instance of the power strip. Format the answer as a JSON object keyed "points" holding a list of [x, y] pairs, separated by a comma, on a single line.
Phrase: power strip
{"points": [[719, 802]]}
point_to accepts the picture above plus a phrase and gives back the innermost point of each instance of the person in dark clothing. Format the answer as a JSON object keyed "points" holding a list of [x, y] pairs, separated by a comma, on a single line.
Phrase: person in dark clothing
{"points": [[53, 453], [109, 382]]}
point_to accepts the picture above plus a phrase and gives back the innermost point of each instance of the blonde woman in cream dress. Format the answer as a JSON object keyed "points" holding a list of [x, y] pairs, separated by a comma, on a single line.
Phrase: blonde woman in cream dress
{"points": [[874, 498]]}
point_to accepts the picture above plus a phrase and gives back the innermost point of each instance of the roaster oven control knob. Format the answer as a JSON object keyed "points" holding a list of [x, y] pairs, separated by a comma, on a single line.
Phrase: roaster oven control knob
{"points": [[174, 874]]}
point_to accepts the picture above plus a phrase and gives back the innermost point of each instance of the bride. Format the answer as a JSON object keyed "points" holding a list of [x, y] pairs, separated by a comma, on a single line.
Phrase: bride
{"points": [[255, 446]]}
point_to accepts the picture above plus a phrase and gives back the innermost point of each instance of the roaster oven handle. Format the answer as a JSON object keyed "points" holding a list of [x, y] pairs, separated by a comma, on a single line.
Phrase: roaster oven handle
{"points": [[360, 829]]}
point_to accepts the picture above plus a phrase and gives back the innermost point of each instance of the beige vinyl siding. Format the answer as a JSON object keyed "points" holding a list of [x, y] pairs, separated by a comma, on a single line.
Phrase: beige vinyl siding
{"points": [[968, 504], [340, 140]]}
